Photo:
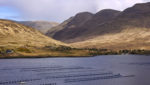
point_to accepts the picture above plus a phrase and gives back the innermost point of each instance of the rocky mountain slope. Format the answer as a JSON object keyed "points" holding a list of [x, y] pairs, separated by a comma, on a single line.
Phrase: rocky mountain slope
{"points": [[82, 25], [42, 26]]}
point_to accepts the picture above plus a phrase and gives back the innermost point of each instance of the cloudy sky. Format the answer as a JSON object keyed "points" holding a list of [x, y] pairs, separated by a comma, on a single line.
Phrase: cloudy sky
{"points": [[57, 10]]}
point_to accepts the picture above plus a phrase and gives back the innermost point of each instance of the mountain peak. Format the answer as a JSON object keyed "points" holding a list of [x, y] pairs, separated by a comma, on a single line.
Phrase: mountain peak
{"points": [[80, 18], [83, 14], [142, 4], [108, 11], [137, 10]]}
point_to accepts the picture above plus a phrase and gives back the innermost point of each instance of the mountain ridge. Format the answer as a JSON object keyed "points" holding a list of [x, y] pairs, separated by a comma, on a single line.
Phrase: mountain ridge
{"points": [[74, 30]]}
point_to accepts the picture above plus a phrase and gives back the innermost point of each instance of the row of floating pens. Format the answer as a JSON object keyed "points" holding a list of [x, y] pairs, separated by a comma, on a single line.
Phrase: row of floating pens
{"points": [[18, 81]]}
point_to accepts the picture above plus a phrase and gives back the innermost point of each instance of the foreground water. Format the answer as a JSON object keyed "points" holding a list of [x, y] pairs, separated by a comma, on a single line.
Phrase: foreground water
{"points": [[99, 70]]}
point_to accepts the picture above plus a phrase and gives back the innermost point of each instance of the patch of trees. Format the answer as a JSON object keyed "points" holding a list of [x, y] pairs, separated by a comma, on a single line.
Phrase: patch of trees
{"points": [[24, 49], [96, 51], [135, 51]]}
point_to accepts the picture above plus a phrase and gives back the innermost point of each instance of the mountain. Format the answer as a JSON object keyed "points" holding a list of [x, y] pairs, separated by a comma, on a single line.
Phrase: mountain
{"points": [[23, 39], [42, 26], [83, 25], [128, 30], [111, 29]]}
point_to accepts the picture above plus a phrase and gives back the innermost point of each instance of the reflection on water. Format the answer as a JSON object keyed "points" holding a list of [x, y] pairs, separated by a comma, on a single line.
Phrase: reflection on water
{"points": [[105, 70]]}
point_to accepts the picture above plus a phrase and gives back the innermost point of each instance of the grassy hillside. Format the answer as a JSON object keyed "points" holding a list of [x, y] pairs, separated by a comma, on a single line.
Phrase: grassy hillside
{"points": [[19, 40], [135, 38]]}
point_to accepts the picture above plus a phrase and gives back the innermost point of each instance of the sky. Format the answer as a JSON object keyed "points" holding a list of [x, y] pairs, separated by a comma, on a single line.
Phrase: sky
{"points": [[57, 10]]}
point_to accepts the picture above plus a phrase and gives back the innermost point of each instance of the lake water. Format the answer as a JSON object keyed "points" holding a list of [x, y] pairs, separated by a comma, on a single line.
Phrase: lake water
{"points": [[99, 70]]}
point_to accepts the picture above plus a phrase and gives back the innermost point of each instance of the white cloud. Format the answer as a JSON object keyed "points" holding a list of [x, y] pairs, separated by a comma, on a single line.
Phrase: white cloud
{"points": [[53, 9], [116, 4], [59, 10]]}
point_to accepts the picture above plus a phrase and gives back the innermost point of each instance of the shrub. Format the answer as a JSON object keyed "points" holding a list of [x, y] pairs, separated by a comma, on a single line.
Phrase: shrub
{"points": [[23, 49]]}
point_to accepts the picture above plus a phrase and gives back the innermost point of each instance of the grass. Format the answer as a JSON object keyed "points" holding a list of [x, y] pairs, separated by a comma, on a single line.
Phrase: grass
{"points": [[24, 49], [31, 52]]}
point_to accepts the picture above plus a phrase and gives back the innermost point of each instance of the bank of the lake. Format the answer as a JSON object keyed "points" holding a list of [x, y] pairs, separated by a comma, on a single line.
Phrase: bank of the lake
{"points": [[66, 52]]}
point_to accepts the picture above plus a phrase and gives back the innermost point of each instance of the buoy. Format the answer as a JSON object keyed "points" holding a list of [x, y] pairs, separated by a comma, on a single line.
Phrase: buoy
{"points": [[22, 82]]}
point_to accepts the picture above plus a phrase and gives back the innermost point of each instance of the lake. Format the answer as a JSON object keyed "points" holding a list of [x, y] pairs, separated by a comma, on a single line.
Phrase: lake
{"points": [[98, 70]]}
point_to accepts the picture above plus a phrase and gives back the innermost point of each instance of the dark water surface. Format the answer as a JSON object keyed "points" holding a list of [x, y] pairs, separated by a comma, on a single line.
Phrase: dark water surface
{"points": [[99, 70]]}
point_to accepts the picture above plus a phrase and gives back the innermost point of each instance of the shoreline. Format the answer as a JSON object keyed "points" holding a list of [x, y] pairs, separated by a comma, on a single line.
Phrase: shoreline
{"points": [[39, 57]]}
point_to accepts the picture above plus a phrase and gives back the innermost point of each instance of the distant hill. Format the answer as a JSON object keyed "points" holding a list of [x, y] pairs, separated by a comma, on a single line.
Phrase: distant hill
{"points": [[42, 26]]}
